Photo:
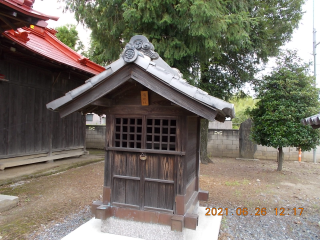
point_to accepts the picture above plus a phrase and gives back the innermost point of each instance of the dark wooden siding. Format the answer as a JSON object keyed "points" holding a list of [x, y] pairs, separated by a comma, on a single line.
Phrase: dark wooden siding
{"points": [[126, 189], [25, 123], [157, 194], [191, 149]]}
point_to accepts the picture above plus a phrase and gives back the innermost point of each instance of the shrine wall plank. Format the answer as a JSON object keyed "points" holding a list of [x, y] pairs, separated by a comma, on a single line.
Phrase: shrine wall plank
{"points": [[26, 125]]}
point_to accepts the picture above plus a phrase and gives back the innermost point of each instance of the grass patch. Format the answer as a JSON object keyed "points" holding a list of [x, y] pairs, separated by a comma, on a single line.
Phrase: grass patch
{"points": [[224, 223], [96, 151], [232, 183], [316, 208], [245, 182], [238, 193], [237, 183], [17, 229]]}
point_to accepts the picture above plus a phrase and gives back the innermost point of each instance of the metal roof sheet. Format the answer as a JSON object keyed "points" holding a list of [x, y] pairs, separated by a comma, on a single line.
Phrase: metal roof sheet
{"points": [[158, 68], [44, 42]]}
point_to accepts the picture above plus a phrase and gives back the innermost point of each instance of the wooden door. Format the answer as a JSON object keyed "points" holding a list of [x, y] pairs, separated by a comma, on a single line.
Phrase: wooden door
{"points": [[159, 182], [126, 179], [144, 184]]}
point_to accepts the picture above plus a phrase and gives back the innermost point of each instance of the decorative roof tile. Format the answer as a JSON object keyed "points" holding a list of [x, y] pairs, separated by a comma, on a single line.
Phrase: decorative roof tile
{"points": [[313, 121]]}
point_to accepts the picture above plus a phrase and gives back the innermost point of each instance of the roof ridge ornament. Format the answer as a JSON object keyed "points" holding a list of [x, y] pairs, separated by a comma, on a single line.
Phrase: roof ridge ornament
{"points": [[29, 3], [138, 43], [20, 34]]}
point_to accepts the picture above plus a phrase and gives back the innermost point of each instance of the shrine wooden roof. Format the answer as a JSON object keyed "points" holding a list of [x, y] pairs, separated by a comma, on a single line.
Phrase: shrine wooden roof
{"points": [[313, 121], [141, 63], [43, 41]]}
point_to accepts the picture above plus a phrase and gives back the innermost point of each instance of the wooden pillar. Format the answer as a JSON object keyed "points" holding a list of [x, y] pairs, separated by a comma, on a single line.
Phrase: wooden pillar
{"points": [[197, 187], [84, 133], [50, 134]]}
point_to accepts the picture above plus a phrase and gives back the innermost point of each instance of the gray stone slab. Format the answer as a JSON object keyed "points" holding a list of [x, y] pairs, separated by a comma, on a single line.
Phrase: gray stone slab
{"points": [[7, 202]]}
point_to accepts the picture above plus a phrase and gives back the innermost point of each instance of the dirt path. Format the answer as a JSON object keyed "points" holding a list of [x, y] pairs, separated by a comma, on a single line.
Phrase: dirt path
{"points": [[234, 183], [48, 200], [254, 185]]}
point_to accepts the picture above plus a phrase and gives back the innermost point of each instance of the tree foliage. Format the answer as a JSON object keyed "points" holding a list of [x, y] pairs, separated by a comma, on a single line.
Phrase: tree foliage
{"points": [[241, 106], [69, 36], [216, 44], [285, 96]]}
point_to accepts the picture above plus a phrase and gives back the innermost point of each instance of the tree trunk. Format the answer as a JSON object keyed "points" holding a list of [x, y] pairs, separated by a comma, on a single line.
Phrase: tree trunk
{"points": [[280, 159], [204, 125]]}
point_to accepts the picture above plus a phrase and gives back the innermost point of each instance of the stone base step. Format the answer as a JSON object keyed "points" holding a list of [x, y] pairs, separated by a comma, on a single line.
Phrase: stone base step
{"points": [[7, 202]]}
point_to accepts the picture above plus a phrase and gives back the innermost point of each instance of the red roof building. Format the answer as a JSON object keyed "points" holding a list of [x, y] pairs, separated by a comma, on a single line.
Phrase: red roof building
{"points": [[19, 13], [43, 42], [36, 68]]}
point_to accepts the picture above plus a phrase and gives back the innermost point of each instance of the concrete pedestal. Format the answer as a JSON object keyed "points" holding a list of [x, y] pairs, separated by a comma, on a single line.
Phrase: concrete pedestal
{"points": [[208, 228]]}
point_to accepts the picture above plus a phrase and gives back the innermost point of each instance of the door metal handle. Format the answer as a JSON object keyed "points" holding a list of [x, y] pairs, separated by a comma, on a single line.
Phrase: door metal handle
{"points": [[143, 157]]}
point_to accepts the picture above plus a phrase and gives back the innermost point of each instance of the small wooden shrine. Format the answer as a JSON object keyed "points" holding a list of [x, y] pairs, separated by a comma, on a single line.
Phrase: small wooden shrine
{"points": [[152, 136]]}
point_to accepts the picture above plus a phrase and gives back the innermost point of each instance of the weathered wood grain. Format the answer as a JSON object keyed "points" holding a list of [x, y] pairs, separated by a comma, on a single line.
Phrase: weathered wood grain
{"points": [[191, 148], [174, 96], [166, 167], [4, 117], [152, 164], [119, 164], [119, 190], [97, 92], [151, 194], [133, 165], [149, 110], [23, 113], [132, 192], [145, 151]]}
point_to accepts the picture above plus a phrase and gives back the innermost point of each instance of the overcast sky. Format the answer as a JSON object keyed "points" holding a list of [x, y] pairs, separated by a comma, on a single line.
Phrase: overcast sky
{"points": [[302, 37]]}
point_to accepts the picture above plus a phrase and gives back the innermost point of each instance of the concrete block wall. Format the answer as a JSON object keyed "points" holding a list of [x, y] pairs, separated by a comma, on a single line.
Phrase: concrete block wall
{"points": [[95, 136], [221, 143], [225, 143], [290, 153], [220, 125]]}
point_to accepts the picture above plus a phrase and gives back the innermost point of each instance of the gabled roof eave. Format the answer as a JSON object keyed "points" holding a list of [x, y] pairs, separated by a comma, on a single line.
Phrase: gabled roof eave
{"points": [[313, 121], [149, 62]]}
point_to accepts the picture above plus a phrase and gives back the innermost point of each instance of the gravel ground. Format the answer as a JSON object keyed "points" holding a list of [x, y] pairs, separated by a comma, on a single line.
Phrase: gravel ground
{"points": [[232, 227], [270, 227], [56, 231]]}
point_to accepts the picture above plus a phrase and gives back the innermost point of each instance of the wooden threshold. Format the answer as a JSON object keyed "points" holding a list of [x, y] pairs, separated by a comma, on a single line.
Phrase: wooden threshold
{"points": [[158, 209], [127, 177], [124, 205], [158, 180]]}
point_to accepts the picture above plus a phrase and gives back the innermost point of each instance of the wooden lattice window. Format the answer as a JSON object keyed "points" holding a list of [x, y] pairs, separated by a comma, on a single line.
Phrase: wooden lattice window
{"points": [[161, 134], [128, 132]]}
